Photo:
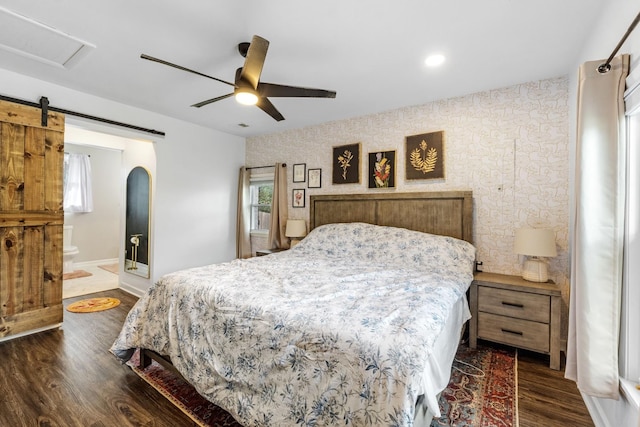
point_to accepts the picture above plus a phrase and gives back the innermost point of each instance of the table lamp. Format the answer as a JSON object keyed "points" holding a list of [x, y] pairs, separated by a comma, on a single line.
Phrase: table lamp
{"points": [[296, 229], [535, 244]]}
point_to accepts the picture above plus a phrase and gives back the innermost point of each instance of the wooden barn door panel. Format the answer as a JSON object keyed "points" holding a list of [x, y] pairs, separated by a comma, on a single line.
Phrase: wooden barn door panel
{"points": [[12, 167], [33, 285], [53, 266], [31, 219], [34, 169], [11, 273]]}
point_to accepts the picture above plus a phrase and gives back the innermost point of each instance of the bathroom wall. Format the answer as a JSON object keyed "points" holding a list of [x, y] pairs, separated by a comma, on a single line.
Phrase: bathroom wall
{"points": [[96, 234]]}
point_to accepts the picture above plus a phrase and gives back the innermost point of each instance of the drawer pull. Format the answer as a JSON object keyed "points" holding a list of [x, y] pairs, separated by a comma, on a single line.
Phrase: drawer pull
{"points": [[511, 304], [507, 331]]}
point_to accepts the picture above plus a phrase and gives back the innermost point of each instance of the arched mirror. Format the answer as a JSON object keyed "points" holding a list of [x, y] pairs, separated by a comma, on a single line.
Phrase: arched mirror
{"points": [[136, 239]]}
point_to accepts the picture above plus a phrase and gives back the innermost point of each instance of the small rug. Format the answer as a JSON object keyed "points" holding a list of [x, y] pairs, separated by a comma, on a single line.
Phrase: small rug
{"points": [[482, 391], [75, 275], [111, 268], [468, 401], [93, 304]]}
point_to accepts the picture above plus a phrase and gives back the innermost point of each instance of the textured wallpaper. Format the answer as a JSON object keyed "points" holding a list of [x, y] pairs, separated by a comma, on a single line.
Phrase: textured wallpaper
{"points": [[509, 146]]}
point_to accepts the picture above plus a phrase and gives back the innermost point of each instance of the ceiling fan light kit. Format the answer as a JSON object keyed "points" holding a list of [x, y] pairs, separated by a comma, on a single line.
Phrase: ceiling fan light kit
{"points": [[248, 89], [246, 97]]}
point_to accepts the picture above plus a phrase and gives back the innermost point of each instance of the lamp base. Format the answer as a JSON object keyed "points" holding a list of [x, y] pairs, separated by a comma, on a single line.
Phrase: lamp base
{"points": [[294, 242], [535, 270]]}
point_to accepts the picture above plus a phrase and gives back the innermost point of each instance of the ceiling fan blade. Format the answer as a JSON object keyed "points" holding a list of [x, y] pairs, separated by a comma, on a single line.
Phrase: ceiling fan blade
{"points": [[275, 90], [212, 100], [266, 106], [180, 67], [254, 61]]}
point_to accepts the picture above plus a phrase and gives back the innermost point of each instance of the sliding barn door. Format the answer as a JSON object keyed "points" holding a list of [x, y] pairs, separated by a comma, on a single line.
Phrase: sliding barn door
{"points": [[31, 219]]}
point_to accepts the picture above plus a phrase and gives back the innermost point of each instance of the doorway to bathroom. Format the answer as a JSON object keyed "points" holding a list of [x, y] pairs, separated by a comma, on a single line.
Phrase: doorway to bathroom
{"points": [[98, 235], [91, 243]]}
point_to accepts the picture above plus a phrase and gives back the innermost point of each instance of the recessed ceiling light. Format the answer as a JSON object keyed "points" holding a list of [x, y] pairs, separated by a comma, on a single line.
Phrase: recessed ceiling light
{"points": [[434, 60]]}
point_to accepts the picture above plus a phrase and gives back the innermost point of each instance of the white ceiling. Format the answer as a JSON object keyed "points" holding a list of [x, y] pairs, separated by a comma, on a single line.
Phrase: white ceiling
{"points": [[370, 52]]}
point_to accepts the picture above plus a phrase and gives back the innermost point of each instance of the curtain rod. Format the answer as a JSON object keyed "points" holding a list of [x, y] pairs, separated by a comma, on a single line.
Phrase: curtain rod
{"points": [[262, 167], [44, 105], [603, 68]]}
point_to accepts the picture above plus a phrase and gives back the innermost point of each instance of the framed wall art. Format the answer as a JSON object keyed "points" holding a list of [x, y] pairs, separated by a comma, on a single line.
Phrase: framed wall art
{"points": [[425, 156], [346, 164], [382, 169], [299, 172], [297, 198], [314, 178]]}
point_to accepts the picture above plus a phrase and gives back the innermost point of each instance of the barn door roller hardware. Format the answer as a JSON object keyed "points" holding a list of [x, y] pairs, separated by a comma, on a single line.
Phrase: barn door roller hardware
{"points": [[44, 106]]}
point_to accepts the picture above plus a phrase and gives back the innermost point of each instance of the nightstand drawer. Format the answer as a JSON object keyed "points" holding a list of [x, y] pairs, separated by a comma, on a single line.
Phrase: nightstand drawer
{"points": [[521, 305], [516, 332]]}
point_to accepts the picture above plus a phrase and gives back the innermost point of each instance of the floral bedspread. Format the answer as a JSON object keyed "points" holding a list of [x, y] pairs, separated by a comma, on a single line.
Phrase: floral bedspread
{"points": [[335, 331]]}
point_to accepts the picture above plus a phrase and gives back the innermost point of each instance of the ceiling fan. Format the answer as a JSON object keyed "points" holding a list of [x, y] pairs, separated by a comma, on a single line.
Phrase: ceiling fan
{"points": [[248, 89]]}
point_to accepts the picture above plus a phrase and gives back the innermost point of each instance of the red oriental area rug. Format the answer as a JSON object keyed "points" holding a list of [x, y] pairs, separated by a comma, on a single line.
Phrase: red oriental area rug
{"points": [[482, 392]]}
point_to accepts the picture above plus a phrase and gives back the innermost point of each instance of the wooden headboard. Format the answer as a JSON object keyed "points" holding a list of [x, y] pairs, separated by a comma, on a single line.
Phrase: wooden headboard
{"points": [[448, 213]]}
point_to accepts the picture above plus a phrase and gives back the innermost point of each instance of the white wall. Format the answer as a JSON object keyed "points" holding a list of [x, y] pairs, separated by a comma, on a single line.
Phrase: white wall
{"points": [[195, 179], [607, 31]]}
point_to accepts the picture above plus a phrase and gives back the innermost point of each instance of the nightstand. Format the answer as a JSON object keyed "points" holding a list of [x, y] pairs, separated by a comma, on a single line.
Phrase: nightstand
{"points": [[513, 311], [263, 252]]}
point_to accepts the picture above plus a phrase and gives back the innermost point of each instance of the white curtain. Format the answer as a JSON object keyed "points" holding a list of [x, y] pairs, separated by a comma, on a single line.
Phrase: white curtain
{"points": [[243, 224], [598, 233], [78, 193], [279, 209]]}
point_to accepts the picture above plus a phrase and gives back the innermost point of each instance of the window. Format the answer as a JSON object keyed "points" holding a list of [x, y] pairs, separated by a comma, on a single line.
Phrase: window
{"points": [[261, 193]]}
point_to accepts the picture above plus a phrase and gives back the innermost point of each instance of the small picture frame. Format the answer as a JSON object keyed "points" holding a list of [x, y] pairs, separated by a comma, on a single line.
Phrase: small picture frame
{"points": [[297, 198], [314, 178], [382, 169], [346, 164], [299, 172]]}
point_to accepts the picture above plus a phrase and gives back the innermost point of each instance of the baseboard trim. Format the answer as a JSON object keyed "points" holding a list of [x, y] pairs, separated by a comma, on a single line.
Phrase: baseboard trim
{"points": [[96, 263], [598, 415], [137, 292], [613, 413]]}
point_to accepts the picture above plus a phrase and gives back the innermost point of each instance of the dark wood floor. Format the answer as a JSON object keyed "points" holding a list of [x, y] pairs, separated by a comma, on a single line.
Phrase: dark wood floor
{"points": [[68, 378], [545, 397]]}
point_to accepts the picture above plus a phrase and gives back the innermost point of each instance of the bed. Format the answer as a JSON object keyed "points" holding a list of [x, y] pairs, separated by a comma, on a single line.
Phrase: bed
{"points": [[356, 325]]}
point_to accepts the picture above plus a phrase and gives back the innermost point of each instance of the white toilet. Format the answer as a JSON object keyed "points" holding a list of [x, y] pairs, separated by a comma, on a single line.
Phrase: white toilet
{"points": [[68, 252]]}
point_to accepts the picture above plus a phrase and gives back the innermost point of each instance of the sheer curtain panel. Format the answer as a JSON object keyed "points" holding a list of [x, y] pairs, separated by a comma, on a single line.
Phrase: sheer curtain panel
{"points": [[78, 188], [598, 230]]}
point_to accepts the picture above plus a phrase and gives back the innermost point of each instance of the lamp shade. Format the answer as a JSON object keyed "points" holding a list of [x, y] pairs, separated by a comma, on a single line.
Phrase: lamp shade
{"points": [[296, 228], [538, 242]]}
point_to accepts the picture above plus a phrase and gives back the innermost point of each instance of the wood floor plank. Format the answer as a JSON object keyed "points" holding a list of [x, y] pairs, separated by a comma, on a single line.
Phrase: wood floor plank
{"points": [[545, 397], [68, 378]]}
